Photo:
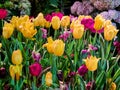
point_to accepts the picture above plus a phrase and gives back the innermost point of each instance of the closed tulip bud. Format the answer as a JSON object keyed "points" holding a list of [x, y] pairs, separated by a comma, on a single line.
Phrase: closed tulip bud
{"points": [[55, 22], [82, 70], [113, 86], [65, 21], [58, 47], [7, 30], [35, 69], [91, 63], [0, 45], [12, 71], [99, 22], [48, 79], [2, 72], [78, 31], [17, 57], [110, 32]]}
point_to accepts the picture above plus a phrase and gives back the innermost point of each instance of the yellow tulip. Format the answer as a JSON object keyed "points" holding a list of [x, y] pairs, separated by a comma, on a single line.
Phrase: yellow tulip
{"points": [[55, 22], [7, 30], [47, 24], [99, 22], [49, 45], [12, 71], [15, 71], [0, 45], [28, 30], [48, 79], [80, 17], [17, 57], [58, 47], [39, 20], [78, 31], [91, 63], [113, 86], [14, 21], [74, 23], [106, 23], [110, 32], [65, 21]]}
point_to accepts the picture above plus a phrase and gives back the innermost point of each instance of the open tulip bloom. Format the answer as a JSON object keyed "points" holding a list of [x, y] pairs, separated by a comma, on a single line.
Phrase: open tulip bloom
{"points": [[59, 52]]}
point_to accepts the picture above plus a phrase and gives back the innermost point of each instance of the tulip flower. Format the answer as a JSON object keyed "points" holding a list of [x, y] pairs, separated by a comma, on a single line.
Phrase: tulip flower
{"points": [[49, 44], [58, 47], [15, 71], [99, 22], [17, 57], [91, 63], [110, 32], [28, 30], [55, 22], [39, 20], [3, 13], [7, 30], [113, 86], [2, 72], [14, 21], [0, 45], [82, 70], [65, 21], [48, 79], [47, 24], [36, 56], [78, 31], [35, 69]]}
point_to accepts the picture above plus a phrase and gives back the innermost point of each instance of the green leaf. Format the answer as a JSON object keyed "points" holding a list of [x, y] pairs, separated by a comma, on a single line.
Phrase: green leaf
{"points": [[116, 75], [99, 80]]}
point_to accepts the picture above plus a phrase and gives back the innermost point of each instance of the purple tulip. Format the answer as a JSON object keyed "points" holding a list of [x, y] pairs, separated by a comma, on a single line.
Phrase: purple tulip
{"points": [[82, 70], [36, 56]]}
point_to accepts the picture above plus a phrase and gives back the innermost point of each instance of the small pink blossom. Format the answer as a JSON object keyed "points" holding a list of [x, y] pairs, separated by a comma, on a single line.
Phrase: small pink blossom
{"points": [[65, 35], [44, 32], [36, 56]]}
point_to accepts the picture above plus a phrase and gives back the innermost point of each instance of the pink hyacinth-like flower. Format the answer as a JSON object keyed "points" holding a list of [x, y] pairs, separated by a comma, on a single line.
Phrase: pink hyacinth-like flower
{"points": [[3, 13], [113, 14], [65, 35], [74, 7], [44, 33], [84, 51], [89, 86], [117, 45], [35, 69], [48, 17], [82, 70], [106, 15], [59, 14], [36, 56]]}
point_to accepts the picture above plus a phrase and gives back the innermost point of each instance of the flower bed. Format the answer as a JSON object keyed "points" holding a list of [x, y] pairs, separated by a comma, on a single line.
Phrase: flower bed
{"points": [[59, 52]]}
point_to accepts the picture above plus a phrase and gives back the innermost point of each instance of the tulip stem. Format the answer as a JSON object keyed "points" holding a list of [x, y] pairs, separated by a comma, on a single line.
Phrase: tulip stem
{"points": [[92, 75], [55, 34]]}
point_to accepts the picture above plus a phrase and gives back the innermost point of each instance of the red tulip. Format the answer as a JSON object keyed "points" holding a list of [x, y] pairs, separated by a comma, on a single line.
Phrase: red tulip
{"points": [[35, 69], [3, 13]]}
